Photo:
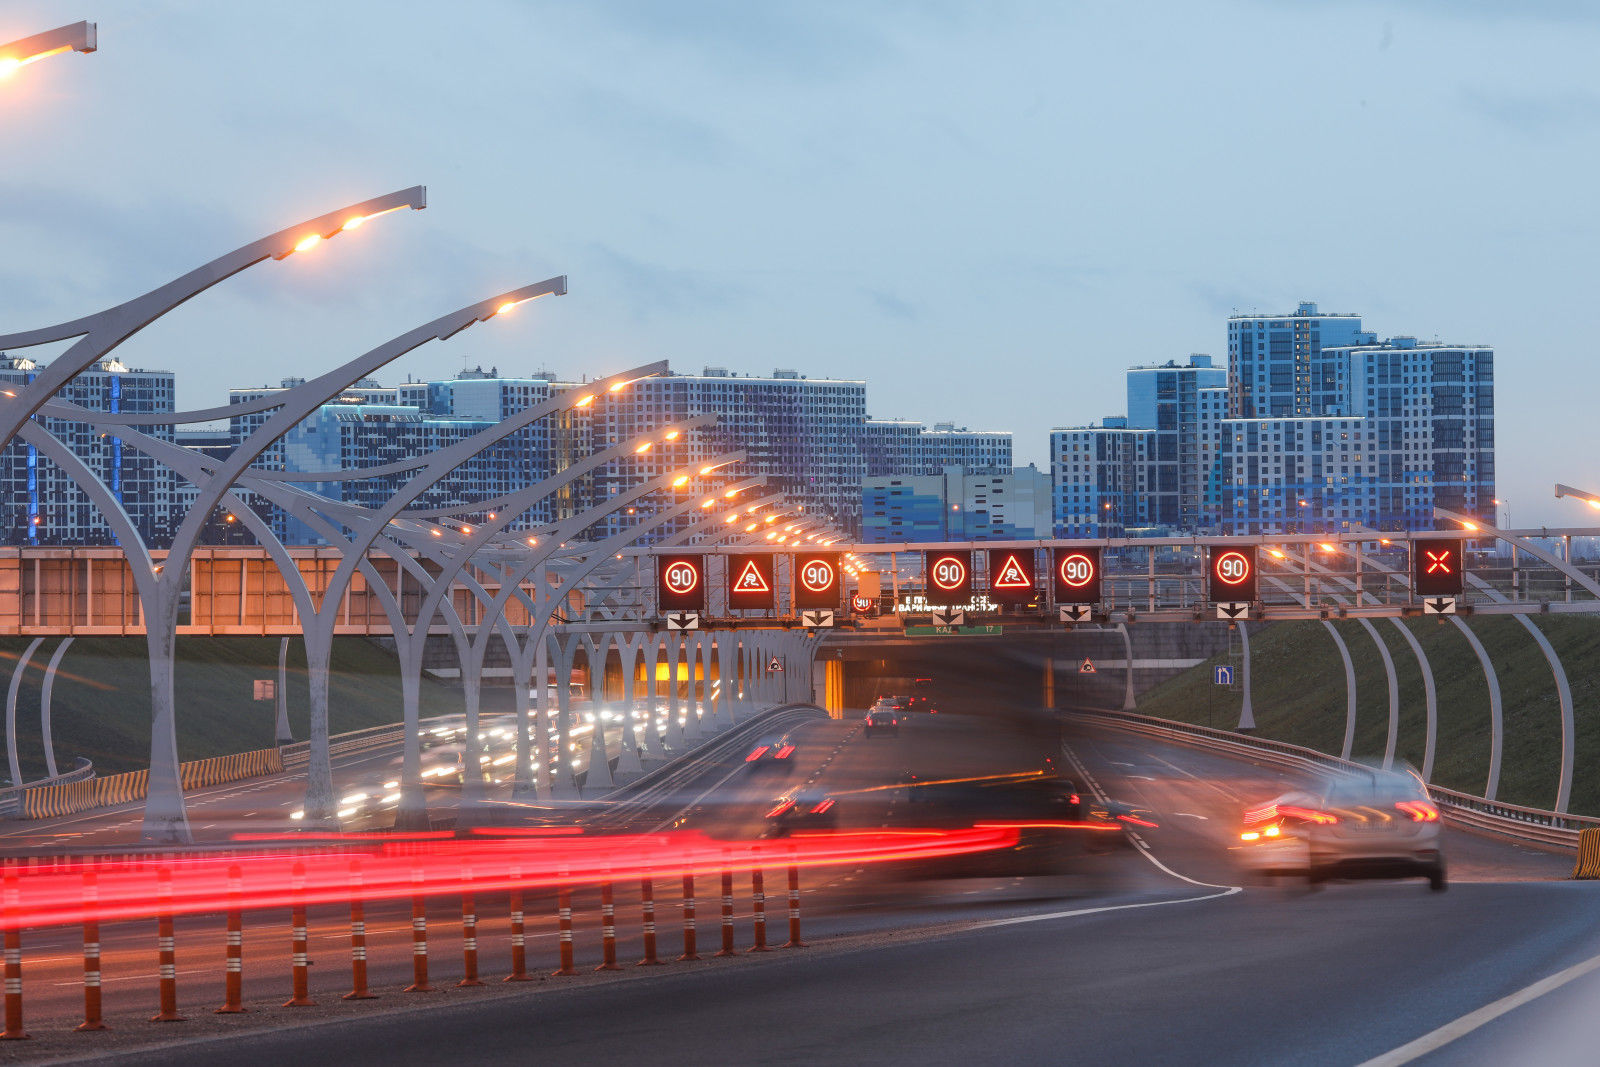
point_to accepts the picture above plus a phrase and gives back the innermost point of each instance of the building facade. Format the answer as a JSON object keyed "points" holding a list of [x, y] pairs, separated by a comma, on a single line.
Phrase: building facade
{"points": [[956, 505]]}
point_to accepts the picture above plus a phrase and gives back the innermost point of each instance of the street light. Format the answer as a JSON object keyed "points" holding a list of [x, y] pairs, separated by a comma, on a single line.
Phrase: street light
{"points": [[78, 37], [1592, 499]]}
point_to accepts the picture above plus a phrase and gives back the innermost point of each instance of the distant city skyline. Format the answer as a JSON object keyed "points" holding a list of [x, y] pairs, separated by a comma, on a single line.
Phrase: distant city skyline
{"points": [[987, 212]]}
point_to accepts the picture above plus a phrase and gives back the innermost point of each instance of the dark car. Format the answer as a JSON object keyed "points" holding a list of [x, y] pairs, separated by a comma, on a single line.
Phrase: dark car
{"points": [[881, 720], [774, 750], [806, 808]]}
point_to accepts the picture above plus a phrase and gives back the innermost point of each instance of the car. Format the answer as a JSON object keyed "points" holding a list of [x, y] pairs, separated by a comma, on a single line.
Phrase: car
{"points": [[771, 751], [891, 703], [1367, 823], [881, 720], [807, 808]]}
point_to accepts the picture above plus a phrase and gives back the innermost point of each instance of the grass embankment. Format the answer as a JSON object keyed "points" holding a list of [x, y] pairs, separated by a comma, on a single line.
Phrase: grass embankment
{"points": [[101, 703], [1298, 695]]}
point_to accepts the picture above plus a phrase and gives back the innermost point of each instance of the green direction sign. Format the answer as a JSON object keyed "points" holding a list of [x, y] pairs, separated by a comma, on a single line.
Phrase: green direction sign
{"points": [[954, 631]]}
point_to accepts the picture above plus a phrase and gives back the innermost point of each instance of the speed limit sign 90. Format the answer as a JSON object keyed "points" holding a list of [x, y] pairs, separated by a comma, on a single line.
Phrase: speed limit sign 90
{"points": [[680, 583], [1233, 573], [816, 580], [1077, 575], [949, 577]]}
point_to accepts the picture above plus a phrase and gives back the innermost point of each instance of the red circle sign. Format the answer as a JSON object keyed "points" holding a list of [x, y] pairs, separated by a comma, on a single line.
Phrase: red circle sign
{"points": [[1232, 568], [818, 575], [1077, 570], [681, 577], [949, 573]]}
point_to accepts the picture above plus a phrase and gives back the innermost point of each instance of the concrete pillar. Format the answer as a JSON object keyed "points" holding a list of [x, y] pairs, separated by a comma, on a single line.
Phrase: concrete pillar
{"points": [[44, 706], [285, 736], [1349, 689], [1247, 716]]}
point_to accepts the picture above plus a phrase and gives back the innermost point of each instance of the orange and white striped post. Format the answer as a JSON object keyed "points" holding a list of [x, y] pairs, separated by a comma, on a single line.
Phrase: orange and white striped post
{"points": [[689, 946], [564, 912], [167, 949], [13, 946], [92, 1019], [233, 993], [647, 902], [419, 936], [519, 938], [301, 997], [358, 939], [794, 910], [608, 929], [727, 948], [469, 933], [758, 901]]}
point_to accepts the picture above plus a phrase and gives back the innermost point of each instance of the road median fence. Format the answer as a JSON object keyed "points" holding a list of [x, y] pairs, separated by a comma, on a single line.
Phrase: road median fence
{"points": [[67, 798], [454, 876], [1518, 821]]}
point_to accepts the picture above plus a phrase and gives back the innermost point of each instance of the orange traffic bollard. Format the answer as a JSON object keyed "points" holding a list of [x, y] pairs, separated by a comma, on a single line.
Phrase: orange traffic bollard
{"points": [[647, 901], [758, 901], [689, 952], [519, 939], [564, 910], [92, 1019], [302, 973], [167, 949], [13, 942], [794, 910], [233, 999], [358, 940], [608, 929], [727, 916], [419, 938], [469, 935]]}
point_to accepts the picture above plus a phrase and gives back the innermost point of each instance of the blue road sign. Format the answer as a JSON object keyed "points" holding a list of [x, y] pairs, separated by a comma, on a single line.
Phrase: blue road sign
{"points": [[1224, 675]]}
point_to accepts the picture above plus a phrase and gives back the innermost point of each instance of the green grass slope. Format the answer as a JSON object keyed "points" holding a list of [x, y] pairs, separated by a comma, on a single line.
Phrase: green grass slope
{"points": [[1298, 695], [101, 703]]}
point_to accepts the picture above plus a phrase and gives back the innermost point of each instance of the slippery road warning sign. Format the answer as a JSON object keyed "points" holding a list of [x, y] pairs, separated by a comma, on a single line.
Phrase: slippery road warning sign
{"points": [[1011, 579], [751, 583]]}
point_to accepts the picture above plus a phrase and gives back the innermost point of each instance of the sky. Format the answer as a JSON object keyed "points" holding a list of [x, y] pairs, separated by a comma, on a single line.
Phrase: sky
{"points": [[988, 211]]}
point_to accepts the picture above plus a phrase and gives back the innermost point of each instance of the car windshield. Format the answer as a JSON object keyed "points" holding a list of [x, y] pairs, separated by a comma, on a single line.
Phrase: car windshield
{"points": [[1373, 789]]}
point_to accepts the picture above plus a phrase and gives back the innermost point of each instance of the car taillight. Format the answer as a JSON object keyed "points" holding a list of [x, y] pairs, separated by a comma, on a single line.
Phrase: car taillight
{"points": [[1419, 810], [1321, 818], [755, 755], [784, 752], [780, 809], [824, 806], [1074, 799]]}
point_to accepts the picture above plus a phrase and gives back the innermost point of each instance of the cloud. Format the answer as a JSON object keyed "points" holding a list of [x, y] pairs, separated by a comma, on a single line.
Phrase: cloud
{"points": [[892, 305], [649, 289], [1533, 114]]}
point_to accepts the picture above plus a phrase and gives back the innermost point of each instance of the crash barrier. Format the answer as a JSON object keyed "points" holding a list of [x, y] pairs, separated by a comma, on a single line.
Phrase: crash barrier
{"points": [[1588, 864], [12, 797], [43, 802], [1512, 820], [356, 869], [298, 754]]}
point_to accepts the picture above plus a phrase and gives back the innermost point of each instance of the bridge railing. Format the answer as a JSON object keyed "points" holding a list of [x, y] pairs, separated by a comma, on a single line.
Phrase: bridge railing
{"points": [[1513, 820], [11, 798]]}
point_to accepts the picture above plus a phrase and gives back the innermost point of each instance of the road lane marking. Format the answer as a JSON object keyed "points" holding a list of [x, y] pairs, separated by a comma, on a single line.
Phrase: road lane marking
{"points": [[1227, 891], [1487, 1014]]}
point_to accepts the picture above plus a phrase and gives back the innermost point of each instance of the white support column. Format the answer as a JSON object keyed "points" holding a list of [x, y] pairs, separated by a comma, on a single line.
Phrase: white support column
{"points": [[677, 735], [1247, 715], [597, 768], [1129, 703], [11, 709], [412, 814], [1496, 717], [1349, 689], [562, 780], [544, 772], [1429, 697], [523, 785], [44, 705], [654, 743], [284, 735], [629, 758], [1394, 692]]}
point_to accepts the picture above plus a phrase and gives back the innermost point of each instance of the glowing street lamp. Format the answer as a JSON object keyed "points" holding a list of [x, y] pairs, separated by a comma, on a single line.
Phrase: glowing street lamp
{"points": [[78, 37], [1592, 499]]}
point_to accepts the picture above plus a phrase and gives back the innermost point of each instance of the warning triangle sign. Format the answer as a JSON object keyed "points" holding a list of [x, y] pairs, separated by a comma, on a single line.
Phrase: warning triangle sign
{"points": [[1012, 575], [751, 580], [1087, 668]]}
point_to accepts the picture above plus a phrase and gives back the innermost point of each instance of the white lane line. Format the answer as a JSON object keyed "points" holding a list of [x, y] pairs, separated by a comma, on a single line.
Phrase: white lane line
{"points": [[1488, 1013], [1016, 920], [1139, 842]]}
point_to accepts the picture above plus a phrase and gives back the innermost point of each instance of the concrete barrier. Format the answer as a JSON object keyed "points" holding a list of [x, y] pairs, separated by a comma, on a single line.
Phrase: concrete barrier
{"points": [[1588, 863], [48, 801]]}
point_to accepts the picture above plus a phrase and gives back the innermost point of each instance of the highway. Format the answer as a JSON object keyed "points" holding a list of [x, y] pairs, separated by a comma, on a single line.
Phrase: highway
{"points": [[1141, 954]]}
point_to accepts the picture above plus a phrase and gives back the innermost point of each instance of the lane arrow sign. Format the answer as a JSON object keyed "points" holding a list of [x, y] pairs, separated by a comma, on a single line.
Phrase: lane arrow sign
{"points": [[1233, 609], [1076, 612], [1439, 605], [683, 620], [949, 617], [820, 620]]}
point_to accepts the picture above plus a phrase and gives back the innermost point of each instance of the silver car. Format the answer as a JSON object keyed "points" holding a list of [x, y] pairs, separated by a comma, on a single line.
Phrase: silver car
{"points": [[1360, 824]]}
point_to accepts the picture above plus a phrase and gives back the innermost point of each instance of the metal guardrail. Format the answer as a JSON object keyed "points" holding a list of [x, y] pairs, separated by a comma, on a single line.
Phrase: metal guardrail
{"points": [[298, 754], [11, 797], [1512, 820]]}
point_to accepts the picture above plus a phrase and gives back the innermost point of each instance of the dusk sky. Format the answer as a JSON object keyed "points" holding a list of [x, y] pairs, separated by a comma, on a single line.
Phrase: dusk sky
{"points": [[986, 210]]}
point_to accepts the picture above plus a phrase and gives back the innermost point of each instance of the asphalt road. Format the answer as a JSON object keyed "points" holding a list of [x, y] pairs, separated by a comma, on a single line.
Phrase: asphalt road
{"points": [[1145, 954]]}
